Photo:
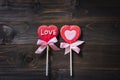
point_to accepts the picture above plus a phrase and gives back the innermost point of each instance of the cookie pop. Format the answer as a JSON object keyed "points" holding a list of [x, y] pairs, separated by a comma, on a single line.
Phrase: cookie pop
{"points": [[70, 34], [47, 35]]}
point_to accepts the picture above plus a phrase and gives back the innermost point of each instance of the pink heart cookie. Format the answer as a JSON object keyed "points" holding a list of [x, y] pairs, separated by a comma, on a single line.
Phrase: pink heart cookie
{"points": [[47, 32], [70, 33]]}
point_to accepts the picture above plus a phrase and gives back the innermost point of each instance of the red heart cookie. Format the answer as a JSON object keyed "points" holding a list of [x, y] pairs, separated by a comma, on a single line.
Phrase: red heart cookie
{"points": [[70, 33], [47, 32]]}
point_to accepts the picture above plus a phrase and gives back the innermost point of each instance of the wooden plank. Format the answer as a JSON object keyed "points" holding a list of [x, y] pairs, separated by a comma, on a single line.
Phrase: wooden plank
{"points": [[20, 74], [49, 15], [104, 57], [96, 33], [98, 3], [90, 75], [60, 75]]}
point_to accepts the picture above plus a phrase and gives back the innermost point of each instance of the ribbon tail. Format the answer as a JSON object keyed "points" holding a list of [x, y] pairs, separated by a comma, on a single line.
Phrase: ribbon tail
{"points": [[77, 43], [53, 40], [76, 49], [67, 50], [53, 46], [66, 46], [41, 42], [40, 49]]}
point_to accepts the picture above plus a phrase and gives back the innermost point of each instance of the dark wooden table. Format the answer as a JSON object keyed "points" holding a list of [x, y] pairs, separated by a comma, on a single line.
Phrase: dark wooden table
{"points": [[99, 57]]}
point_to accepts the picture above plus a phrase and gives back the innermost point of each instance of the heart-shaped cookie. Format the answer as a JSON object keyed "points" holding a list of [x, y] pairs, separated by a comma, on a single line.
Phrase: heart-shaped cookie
{"points": [[70, 33], [47, 32]]}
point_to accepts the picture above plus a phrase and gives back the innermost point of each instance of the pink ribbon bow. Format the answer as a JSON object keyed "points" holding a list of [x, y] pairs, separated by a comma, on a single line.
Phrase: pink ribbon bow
{"points": [[45, 44], [72, 46]]}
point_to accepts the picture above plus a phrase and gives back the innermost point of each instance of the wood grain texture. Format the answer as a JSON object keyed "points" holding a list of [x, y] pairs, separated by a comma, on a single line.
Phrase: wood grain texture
{"points": [[99, 54], [100, 24]]}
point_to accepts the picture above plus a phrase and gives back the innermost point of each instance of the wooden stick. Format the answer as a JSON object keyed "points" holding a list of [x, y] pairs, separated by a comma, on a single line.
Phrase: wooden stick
{"points": [[70, 62], [47, 60]]}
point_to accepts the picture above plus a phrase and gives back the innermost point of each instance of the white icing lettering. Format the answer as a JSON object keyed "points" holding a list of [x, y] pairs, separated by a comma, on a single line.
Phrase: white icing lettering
{"points": [[48, 32]]}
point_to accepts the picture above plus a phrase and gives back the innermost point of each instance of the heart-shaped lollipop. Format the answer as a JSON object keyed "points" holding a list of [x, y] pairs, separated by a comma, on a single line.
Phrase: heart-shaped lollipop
{"points": [[70, 33], [48, 36], [47, 32]]}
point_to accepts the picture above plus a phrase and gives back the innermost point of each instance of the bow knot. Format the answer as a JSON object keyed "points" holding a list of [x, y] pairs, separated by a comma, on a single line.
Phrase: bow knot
{"points": [[44, 44], [72, 46]]}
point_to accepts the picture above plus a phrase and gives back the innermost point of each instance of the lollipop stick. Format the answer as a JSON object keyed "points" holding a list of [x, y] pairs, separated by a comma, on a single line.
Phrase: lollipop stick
{"points": [[70, 62], [47, 61]]}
